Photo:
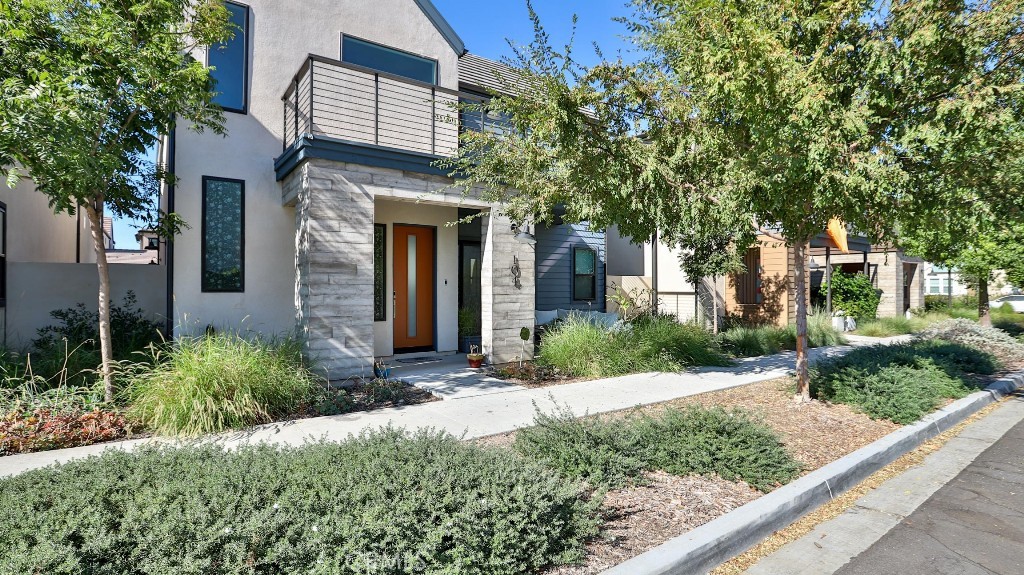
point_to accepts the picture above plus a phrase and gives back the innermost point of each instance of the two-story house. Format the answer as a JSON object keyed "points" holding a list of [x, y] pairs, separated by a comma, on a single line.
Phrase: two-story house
{"points": [[323, 206]]}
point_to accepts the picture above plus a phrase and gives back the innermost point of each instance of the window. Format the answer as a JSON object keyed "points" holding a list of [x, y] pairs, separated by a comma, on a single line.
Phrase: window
{"points": [[223, 235], [230, 61], [390, 60], [380, 278], [584, 274], [748, 283], [935, 286], [3, 254]]}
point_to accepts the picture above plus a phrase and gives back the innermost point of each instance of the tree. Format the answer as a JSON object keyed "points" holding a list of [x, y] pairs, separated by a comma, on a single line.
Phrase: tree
{"points": [[753, 115], [87, 88], [999, 249]]}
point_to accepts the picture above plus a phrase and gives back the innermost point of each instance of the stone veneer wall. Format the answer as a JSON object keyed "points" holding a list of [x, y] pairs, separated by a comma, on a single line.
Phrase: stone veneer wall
{"points": [[334, 216], [334, 266], [506, 309]]}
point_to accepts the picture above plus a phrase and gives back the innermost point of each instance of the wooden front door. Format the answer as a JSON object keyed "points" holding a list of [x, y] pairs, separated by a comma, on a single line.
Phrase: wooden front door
{"points": [[414, 288]]}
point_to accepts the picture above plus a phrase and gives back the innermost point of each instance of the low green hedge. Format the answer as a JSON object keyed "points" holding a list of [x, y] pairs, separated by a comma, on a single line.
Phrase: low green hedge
{"points": [[694, 440], [902, 382], [384, 502]]}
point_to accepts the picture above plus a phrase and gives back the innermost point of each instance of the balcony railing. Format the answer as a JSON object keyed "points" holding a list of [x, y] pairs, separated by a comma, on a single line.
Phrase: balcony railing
{"points": [[361, 105]]}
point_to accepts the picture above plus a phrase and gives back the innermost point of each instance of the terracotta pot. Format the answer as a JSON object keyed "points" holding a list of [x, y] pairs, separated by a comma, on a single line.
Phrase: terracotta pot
{"points": [[475, 361]]}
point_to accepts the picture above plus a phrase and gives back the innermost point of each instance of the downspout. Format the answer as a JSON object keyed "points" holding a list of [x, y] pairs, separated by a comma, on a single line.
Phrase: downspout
{"points": [[169, 242], [654, 273], [78, 234]]}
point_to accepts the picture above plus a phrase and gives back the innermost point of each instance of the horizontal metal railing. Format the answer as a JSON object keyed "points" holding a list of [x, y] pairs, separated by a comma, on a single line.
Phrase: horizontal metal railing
{"points": [[356, 104]]}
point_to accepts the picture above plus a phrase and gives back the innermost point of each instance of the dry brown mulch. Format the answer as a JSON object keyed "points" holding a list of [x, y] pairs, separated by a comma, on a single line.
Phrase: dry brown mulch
{"points": [[638, 518], [643, 517]]}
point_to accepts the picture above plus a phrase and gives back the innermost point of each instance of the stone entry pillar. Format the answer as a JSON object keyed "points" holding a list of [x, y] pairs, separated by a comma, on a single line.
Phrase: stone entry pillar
{"points": [[506, 308], [334, 267]]}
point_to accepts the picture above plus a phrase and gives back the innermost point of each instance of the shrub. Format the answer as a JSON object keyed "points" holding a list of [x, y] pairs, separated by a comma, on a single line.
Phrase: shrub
{"points": [[382, 502], [694, 440], [649, 343], [596, 450], [68, 352], [854, 294], [730, 444], [219, 381], [752, 341], [985, 339], [900, 382]]}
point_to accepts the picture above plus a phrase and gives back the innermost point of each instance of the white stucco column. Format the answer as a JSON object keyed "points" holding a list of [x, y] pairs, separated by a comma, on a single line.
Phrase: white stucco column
{"points": [[506, 307]]}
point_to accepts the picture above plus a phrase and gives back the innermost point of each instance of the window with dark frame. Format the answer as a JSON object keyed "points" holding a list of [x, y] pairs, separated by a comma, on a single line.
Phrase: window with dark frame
{"points": [[380, 278], [386, 59], [230, 60], [748, 283], [3, 254], [584, 274], [223, 235]]}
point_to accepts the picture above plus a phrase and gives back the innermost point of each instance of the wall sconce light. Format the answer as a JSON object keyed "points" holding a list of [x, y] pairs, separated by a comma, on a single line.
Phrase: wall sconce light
{"points": [[523, 235]]}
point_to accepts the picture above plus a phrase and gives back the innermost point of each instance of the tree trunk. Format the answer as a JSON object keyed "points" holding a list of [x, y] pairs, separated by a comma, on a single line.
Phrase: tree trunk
{"points": [[984, 313], [106, 353], [803, 387]]}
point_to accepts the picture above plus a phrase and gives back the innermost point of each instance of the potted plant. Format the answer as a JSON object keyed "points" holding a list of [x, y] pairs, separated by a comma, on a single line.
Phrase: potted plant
{"points": [[475, 358], [381, 369], [469, 329]]}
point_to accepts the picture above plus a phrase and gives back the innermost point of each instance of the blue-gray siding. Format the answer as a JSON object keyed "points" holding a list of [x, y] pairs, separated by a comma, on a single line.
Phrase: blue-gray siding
{"points": [[554, 265]]}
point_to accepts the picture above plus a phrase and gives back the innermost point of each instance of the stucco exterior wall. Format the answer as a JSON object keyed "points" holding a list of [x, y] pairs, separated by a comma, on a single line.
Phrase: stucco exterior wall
{"points": [[282, 34], [36, 234], [36, 289]]}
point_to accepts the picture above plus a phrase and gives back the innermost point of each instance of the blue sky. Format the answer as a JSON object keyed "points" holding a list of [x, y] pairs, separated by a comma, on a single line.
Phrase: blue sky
{"points": [[485, 25]]}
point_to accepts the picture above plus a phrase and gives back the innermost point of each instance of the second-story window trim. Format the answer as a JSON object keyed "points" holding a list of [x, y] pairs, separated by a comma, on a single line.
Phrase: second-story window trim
{"points": [[244, 34]]}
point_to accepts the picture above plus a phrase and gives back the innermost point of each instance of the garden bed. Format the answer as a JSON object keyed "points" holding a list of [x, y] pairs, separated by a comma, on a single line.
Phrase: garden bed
{"points": [[639, 518]]}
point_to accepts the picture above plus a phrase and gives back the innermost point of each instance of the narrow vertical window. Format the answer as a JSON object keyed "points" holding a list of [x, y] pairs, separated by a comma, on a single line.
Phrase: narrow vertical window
{"points": [[223, 235], [380, 278], [584, 271], [230, 60], [3, 255], [748, 283]]}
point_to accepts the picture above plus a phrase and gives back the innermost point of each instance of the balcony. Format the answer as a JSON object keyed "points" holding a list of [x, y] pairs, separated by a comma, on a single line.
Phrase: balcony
{"points": [[363, 112]]}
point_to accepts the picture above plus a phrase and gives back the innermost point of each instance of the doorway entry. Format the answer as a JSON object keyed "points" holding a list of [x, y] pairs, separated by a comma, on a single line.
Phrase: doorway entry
{"points": [[414, 301]]}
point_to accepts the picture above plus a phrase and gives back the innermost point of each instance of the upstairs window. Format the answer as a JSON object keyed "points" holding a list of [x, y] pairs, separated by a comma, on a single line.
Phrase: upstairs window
{"points": [[230, 61], [584, 272], [390, 60]]}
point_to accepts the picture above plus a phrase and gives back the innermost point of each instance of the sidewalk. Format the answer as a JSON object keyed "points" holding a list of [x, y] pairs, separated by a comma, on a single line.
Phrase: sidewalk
{"points": [[479, 415], [960, 512]]}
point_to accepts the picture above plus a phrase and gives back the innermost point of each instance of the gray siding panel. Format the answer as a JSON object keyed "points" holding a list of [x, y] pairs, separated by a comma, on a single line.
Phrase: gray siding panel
{"points": [[554, 265]]}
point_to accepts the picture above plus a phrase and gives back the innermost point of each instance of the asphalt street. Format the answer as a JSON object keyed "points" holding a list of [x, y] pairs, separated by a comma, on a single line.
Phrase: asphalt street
{"points": [[974, 525]]}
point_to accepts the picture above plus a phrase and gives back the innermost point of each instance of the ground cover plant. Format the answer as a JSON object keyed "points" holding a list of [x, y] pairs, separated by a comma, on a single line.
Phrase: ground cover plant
{"points": [[902, 382], [217, 381], [691, 440], [989, 340], [385, 501], [899, 325], [581, 348], [34, 419], [756, 340]]}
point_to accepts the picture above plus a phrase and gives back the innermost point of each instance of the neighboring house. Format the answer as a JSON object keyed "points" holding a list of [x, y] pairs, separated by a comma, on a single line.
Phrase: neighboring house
{"points": [[941, 280], [47, 262], [323, 207], [899, 278], [570, 267], [635, 269]]}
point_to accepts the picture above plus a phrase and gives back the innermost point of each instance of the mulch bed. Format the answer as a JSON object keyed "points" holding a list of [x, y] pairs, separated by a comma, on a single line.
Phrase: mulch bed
{"points": [[532, 375], [365, 395], [643, 517]]}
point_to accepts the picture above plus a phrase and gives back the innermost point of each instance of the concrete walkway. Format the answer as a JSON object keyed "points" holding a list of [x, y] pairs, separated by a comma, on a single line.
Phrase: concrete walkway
{"points": [[477, 415], [961, 512]]}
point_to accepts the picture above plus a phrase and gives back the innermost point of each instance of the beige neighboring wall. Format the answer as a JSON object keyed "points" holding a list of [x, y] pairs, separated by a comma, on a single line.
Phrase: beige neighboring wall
{"points": [[35, 233]]}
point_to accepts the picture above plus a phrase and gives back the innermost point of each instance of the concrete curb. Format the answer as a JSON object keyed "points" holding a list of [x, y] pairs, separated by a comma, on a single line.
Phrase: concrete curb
{"points": [[714, 543]]}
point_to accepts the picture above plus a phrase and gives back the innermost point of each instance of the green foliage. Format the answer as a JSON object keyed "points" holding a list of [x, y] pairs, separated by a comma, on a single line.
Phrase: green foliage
{"points": [[382, 502], [219, 381], [901, 382], [941, 302], [890, 326], [988, 340], [659, 343], [469, 322], [752, 341], [693, 440], [854, 294]]}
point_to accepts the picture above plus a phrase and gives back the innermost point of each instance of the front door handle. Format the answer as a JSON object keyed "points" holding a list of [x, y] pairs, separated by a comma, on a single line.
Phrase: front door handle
{"points": [[394, 305]]}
